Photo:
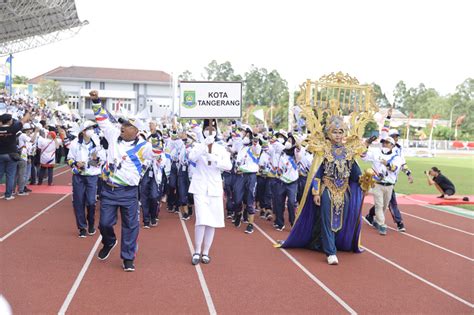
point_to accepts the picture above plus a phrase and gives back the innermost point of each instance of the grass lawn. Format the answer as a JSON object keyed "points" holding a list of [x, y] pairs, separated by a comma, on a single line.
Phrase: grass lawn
{"points": [[460, 170]]}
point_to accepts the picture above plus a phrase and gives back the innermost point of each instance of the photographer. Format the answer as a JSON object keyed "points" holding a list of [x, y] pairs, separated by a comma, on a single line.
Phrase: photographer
{"points": [[442, 183]]}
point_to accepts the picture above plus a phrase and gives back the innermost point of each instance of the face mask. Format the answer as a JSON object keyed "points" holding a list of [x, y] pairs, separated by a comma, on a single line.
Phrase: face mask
{"points": [[288, 145], [207, 134], [386, 150], [89, 133], [246, 141], [281, 140]]}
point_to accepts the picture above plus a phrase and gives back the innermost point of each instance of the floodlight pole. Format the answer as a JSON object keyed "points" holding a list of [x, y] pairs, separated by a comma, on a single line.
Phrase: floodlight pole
{"points": [[451, 116]]}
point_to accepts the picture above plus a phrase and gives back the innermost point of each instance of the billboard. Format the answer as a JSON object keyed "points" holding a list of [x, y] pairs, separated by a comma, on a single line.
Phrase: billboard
{"points": [[210, 99]]}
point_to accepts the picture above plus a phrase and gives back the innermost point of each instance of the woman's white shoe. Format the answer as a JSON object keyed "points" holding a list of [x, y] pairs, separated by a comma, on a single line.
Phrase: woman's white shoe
{"points": [[332, 260]]}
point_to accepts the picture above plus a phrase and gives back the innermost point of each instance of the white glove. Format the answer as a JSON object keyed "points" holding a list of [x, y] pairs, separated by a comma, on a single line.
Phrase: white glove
{"points": [[209, 140]]}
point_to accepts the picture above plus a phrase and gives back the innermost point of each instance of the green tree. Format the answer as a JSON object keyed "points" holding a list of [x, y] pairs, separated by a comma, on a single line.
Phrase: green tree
{"points": [[20, 79], [380, 98], [221, 72], [399, 94], [186, 76], [50, 90]]}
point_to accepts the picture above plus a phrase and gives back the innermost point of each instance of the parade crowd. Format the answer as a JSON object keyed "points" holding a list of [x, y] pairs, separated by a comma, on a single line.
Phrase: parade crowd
{"points": [[137, 168]]}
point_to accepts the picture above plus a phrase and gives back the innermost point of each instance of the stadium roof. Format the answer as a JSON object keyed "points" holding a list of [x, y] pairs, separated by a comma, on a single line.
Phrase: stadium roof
{"points": [[25, 24], [103, 74]]}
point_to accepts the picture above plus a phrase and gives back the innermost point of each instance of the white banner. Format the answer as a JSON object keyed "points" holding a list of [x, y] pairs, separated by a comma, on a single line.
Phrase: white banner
{"points": [[209, 99]]}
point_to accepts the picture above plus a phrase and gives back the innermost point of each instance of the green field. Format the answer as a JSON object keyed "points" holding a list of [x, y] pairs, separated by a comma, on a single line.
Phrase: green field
{"points": [[460, 170]]}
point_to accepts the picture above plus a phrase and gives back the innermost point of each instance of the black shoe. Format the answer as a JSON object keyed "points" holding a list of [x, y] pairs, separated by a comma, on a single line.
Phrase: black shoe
{"points": [[128, 265], [205, 259], [91, 230], [268, 216], [185, 217], [170, 210], [237, 219], [441, 196], [230, 215], [249, 229], [28, 190], [146, 225], [369, 220], [154, 222], [401, 227], [463, 199], [190, 211], [105, 251], [176, 210], [262, 214], [82, 233]]}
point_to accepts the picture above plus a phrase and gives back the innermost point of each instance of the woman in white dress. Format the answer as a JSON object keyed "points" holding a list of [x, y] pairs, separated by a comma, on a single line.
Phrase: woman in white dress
{"points": [[210, 160]]}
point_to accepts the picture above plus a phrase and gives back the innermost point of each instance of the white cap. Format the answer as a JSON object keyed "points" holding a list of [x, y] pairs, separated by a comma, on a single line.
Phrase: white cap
{"points": [[27, 126], [393, 132], [389, 139], [86, 124]]}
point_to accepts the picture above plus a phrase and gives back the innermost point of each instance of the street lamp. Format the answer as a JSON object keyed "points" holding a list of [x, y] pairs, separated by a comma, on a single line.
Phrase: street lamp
{"points": [[451, 115]]}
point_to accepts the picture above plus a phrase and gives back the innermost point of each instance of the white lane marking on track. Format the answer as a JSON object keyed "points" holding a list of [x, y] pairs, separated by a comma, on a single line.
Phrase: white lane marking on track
{"points": [[309, 274], [79, 278], [433, 244], [437, 223], [202, 280], [33, 218], [414, 275]]}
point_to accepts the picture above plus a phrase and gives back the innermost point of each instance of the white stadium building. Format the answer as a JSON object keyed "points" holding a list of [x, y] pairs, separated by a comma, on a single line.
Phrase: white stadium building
{"points": [[129, 89]]}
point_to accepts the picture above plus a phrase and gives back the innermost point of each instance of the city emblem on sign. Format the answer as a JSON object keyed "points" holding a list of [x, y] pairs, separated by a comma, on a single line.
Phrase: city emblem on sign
{"points": [[189, 99]]}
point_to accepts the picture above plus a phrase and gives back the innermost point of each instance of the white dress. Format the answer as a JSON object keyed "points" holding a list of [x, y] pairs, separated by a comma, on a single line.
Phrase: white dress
{"points": [[206, 184]]}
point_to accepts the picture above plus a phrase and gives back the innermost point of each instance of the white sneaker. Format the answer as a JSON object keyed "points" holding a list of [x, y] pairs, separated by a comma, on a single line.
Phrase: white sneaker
{"points": [[10, 198], [332, 260]]}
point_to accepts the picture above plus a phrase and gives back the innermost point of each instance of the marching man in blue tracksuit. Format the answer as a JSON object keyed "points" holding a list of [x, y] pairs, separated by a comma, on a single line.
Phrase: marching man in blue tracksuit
{"points": [[85, 157], [245, 183], [126, 155]]}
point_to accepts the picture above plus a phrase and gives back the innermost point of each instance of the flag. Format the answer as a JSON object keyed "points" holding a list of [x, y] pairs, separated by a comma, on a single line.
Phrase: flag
{"points": [[8, 76], [259, 114]]}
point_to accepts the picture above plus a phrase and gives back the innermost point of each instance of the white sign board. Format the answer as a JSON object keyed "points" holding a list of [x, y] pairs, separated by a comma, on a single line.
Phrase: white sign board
{"points": [[210, 99]]}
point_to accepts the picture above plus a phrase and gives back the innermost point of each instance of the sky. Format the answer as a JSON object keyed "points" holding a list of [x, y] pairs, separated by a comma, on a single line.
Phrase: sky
{"points": [[375, 41]]}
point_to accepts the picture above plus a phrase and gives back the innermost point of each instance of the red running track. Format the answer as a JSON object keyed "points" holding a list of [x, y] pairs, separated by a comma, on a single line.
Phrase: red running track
{"points": [[41, 261]]}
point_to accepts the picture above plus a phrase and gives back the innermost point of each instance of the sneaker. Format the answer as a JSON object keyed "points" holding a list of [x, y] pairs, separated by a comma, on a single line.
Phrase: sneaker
{"points": [[262, 214], [401, 227], [28, 190], [280, 227], [205, 259], [269, 216], [170, 210], [382, 230], [23, 193], [128, 265], [332, 260], [249, 229], [10, 198], [369, 220], [146, 225], [465, 199], [375, 225], [230, 215], [237, 219], [440, 196], [91, 230], [2, 197], [105, 251], [154, 222], [245, 220], [185, 217], [82, 233], [196, 259]]}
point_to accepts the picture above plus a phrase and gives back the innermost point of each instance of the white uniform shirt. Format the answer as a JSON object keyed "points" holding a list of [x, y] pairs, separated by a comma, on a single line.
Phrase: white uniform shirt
{"points": [[207, 179], [385, 174], [247, 159], [83, 152]]}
